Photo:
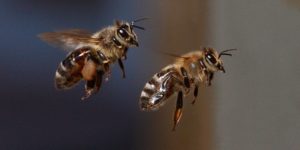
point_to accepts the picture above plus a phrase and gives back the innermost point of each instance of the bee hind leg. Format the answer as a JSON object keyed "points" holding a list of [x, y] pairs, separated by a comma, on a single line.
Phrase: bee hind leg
{"points": [[93, 86], [89, 89], [178, 110]]}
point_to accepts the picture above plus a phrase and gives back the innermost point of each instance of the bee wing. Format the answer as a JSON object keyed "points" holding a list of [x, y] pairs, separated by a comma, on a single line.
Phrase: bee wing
{"points": [[69, 39]]}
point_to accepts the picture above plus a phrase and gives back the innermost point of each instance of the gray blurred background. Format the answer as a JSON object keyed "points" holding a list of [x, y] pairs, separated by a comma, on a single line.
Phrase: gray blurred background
{"points": [[255, 105]]}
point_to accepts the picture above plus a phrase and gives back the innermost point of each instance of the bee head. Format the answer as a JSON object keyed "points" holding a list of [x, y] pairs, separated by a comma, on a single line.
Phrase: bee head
{"points": [[126, 34], [213, 59]]}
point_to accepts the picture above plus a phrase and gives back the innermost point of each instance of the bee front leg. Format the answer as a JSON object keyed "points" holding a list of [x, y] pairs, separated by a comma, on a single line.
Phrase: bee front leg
{"points": [[122, 67], [195, 94], [125, 53], [210, 77], [178, 111]]}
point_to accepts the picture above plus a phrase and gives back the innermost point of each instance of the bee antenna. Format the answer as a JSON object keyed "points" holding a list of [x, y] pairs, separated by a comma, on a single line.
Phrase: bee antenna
{"points": [[138, 27], [224, 52], [138, 20]]}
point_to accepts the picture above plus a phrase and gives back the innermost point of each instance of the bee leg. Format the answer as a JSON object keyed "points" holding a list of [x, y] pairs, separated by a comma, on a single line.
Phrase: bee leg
{"points": [[122, 67], [92, 74], [98, 80], [185, 77], [195, 94], [89, 89], [107, 70], [178, 111], [125, 53], [93, 86], [209, 78], [206, 77]]}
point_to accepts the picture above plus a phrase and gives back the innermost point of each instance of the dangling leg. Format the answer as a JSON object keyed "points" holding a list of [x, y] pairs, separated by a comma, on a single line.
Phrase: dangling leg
{"points": [[93, 86], [104, 62], [122, 67], [178, 111], [88, 73], [210, 77], [107, 71], [98, 80], [195, 94], [185, 77], [89, 89], [92, 72], [125, 53]]}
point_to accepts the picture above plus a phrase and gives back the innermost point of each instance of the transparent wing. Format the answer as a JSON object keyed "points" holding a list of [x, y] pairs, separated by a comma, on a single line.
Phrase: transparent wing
{"points": [[69, 39]]}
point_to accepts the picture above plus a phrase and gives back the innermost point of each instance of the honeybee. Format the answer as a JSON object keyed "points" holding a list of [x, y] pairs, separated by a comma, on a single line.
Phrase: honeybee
{"points": [[92, 54], [187, 72]]}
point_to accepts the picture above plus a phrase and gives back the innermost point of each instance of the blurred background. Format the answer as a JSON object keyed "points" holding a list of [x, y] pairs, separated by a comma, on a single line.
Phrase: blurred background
{"points": [[255, 105]]}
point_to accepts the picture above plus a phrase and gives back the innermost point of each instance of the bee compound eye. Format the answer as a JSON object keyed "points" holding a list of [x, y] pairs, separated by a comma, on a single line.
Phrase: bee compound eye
{"points": [[123, 33], [211, 59]]}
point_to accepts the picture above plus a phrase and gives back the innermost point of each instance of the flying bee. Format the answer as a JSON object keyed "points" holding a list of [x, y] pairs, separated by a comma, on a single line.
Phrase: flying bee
{"points": [[92, 54], [187, 72]]}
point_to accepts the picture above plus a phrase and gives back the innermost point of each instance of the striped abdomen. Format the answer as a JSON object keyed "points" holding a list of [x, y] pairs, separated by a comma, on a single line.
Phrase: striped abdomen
{"points": [[68, 72], [160, 88]]}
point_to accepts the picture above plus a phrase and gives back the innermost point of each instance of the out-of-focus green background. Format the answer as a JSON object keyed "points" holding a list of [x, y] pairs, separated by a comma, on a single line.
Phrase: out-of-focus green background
{"points": [[255, 105]]}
